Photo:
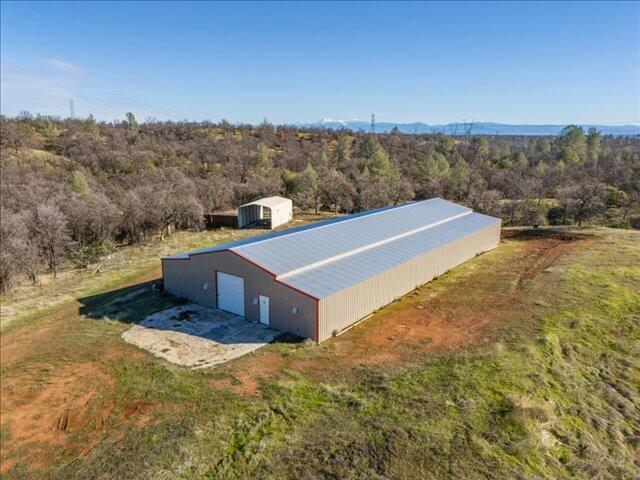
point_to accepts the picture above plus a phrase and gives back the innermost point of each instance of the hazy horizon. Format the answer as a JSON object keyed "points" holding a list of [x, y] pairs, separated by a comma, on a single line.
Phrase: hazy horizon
{"points": [[327, 120]]}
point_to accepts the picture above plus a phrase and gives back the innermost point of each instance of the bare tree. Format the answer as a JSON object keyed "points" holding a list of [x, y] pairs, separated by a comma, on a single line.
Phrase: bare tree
{"points": [[18, 253], [584, 201], [337, 191], [92, 219], [51, 234]]}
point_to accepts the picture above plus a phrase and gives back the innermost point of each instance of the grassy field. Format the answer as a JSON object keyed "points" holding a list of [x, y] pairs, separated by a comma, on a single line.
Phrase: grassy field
{"points": [[523, 363]]}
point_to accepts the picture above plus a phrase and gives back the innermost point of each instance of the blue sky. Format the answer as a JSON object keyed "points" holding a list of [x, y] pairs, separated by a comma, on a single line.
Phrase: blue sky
{"points": [[301, 62]]}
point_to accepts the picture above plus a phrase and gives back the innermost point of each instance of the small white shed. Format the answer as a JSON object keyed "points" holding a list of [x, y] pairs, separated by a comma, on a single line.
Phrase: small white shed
{"points": [[270, 212]]}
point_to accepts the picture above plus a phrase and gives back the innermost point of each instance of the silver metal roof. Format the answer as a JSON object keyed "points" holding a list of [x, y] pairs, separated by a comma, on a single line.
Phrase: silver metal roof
{"points": [[332, 277], [269, 202], [328, 256], [291, 252], [259, 238]]}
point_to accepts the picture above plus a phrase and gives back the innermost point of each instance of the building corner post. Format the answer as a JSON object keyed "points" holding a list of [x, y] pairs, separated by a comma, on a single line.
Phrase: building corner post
{"points": [[318, 321]]}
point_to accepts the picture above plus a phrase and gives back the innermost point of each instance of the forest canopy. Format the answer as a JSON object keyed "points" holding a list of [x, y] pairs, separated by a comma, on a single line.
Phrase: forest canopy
{"points": [[74, 189]]}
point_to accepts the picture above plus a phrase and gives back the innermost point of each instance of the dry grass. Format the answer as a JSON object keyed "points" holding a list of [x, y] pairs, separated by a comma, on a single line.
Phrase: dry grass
{"points": [[139, 261]]}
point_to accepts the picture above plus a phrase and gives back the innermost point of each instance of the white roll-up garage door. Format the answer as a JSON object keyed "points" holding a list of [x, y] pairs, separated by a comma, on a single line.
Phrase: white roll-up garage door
{"points": [[230, 293]]}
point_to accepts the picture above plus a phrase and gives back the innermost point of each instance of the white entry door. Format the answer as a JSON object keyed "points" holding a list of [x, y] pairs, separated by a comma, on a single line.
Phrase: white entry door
{"points": [[264, 309], [230, 293]]}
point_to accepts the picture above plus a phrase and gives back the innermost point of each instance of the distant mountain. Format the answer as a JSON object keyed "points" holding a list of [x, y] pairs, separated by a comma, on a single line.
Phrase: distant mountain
{"points": [[478, 128]]}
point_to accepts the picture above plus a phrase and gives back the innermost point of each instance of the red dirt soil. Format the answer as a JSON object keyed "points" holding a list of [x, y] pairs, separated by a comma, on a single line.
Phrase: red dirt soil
{"points": [[74, 398], [459, 319], [245, 379], [43, 417], [47, 415]]}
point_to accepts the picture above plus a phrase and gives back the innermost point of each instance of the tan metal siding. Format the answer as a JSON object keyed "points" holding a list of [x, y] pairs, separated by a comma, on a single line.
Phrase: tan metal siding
{"points": [[346, 307], [186, 278]]}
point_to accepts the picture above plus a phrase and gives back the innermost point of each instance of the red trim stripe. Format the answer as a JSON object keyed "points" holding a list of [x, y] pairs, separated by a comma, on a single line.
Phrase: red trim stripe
{"points": [[206, 253], [270, 273], [252, 263]]}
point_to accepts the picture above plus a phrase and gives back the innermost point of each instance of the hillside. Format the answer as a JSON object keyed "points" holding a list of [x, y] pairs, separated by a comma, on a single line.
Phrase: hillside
{"points": [[522, 363], [76, 190]]}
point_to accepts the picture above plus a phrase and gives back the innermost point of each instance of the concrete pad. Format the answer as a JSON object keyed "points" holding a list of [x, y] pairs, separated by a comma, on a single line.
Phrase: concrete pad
{"points": [[195, 336]]}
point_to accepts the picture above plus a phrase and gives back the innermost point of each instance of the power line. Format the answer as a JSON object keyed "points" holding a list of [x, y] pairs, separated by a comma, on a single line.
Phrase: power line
{"points": [[71, 107], [373, 123]]}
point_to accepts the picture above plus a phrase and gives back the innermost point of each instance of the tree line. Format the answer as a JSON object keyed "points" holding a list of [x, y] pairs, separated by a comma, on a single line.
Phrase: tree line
{"points": [[75, 189]]}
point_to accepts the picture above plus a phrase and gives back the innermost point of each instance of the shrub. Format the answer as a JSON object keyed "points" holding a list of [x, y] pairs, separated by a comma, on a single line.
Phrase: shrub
{"points": [[85, 256], [557, 216], [620, 224]]}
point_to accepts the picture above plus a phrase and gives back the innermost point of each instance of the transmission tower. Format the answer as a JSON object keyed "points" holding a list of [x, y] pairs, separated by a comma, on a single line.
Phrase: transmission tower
{"points": [[373, 123], [71, 107]]}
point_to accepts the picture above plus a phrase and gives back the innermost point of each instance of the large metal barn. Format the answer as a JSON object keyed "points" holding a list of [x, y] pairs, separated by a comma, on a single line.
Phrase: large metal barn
{"points": [[317, 280]]}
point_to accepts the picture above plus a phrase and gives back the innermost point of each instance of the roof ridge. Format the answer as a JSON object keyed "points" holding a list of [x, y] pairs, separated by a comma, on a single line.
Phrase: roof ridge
{"points": [[355, 216], [369, 246]]}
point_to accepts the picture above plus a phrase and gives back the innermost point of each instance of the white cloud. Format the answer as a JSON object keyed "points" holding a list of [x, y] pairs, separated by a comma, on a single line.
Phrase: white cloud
{"points": [[47, 88], [64, 67], [35, 89]]}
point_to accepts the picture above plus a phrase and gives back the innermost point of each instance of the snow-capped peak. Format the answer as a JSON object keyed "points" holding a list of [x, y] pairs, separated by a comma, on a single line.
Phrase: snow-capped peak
{"points": [[331, 120]]}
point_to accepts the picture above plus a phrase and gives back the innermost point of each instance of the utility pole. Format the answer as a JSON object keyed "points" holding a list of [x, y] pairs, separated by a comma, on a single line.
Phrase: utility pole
{"points": [[373, 124], [71, 107]]}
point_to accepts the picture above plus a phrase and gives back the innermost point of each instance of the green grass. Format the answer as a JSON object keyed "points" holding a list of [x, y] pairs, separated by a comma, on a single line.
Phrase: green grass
{"points": [[554, 395]]}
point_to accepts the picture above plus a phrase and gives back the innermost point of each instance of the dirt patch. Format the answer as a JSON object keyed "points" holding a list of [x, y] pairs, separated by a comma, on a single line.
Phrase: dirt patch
{"points": [[14, 348], [69, 413], [51, 411], [245, 375], [20, 343], [115, 352], [141, 412], [544, 249], [46, 418], [5, 465], [66, 408]]}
